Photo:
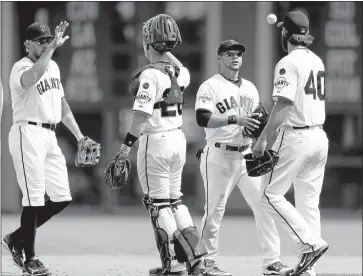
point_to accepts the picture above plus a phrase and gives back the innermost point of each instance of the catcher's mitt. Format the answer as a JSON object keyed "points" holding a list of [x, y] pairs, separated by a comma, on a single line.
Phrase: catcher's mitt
{"points": [[262, 117], [88, 152], [117, 172], [259, 166]]}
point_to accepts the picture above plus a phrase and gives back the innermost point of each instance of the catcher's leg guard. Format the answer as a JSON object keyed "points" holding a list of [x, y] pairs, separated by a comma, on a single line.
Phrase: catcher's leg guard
{"points": [[187, 244], [164, 225]]}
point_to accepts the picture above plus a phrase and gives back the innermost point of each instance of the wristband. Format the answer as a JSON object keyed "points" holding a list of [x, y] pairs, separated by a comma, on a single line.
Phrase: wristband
{"points": [[232, 120], [130, 139]]}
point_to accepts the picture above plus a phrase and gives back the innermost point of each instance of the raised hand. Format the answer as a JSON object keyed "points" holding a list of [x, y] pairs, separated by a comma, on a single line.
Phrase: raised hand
{"points": [[58, 35]]}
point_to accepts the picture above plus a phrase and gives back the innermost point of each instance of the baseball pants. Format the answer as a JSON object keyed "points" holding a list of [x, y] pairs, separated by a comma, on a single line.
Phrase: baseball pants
{"points": [[303, 155], [160, 161], [221, 171], [39, 164]]}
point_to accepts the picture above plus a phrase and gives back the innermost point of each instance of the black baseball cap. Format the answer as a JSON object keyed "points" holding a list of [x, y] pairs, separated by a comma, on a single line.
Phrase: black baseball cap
{"points": [[295, 22], [37, 31], [230, 45]]}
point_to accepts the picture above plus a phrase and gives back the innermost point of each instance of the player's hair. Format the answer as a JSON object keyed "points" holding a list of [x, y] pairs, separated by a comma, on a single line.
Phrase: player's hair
{"points": [[301, 40]]}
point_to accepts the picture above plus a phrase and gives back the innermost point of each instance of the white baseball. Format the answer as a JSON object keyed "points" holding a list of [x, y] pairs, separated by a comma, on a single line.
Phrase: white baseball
{"points": [[271, 19]]}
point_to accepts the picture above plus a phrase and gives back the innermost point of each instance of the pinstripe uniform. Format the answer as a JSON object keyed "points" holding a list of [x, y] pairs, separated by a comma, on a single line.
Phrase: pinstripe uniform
{"points": [[222, 170], [302, 145], [38, 160]]}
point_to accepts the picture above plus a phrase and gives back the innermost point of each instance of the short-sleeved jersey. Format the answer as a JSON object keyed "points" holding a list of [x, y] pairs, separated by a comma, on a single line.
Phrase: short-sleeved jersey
{"points": [[41, 102], [153, 84], [222, 97], [300, 77]]}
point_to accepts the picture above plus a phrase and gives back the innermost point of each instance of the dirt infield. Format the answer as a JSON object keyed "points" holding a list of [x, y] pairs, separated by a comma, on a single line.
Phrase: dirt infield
{"points": [[118, 245]]}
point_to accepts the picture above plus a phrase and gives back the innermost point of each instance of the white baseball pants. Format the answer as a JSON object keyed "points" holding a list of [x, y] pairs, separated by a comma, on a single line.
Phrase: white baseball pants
{"points": [[303, 155], [221, 171], [39, 164]]}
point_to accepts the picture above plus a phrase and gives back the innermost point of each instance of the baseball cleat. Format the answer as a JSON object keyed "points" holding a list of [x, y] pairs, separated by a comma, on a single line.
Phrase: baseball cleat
{"points": [[308, 260], [215, 271], [277, 268], [16, 253], [35, 267], [159, 271]]}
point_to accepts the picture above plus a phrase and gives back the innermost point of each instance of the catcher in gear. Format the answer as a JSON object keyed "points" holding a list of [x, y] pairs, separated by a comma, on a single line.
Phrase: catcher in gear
{"points": [[158, 90]]}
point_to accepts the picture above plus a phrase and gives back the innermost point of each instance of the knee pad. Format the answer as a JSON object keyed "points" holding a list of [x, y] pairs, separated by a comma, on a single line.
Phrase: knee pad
{"points": [[188, 245], [181, 214]]}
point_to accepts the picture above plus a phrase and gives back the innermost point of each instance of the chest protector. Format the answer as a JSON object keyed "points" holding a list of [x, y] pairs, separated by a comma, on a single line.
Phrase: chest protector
{"points": [[171, 96]]}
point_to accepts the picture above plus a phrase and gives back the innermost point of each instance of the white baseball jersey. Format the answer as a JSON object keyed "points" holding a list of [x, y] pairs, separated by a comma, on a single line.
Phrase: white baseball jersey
{"points": [[153, 84], [41, 102], [300, 77], [222, 97]]}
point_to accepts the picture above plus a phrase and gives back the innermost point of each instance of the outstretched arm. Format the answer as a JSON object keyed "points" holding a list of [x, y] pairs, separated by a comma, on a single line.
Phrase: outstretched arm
{"points": [[69, 121], [33, 75]]}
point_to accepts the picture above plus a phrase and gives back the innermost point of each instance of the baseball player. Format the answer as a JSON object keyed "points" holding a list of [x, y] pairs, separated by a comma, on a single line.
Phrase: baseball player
{"points": [[38, 104], [302, 144], [156, 122], [224, 108]]}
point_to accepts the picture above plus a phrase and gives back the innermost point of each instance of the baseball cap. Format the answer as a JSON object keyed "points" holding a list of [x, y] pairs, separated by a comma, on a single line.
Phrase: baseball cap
{"points": [[37, 31], [230, 45], [295, 22]]}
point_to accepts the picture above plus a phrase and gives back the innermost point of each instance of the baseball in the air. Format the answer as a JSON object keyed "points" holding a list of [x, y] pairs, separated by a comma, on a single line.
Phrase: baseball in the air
{"points": [[271, 19]]}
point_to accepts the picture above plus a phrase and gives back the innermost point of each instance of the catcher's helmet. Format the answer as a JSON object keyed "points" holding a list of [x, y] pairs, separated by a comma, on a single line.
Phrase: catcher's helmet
{"points": [[161, 32]]}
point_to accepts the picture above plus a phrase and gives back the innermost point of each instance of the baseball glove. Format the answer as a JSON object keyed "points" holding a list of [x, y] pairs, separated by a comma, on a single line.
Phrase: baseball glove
{"points": [[262, 117], [117, 172], [259, 166], [88, 152]]}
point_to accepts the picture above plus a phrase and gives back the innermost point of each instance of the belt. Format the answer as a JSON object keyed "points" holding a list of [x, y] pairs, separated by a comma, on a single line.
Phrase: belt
{"points": [[45, 125], [148, 133], [308, 127], [231, 148]]}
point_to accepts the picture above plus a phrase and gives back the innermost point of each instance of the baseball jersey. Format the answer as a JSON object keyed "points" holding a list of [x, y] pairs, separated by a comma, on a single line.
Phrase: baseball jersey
{"points": [[153, 84], [221, 96], [41, 102], [300, 77]]}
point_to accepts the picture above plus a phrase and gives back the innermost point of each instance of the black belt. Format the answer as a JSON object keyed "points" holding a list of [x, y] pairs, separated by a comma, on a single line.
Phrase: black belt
{"points": [[45, 125], [231, 148], [307, 127]]}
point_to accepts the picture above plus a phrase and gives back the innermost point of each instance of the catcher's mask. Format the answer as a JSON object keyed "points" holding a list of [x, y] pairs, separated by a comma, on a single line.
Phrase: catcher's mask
{"points": [[161, 32]]}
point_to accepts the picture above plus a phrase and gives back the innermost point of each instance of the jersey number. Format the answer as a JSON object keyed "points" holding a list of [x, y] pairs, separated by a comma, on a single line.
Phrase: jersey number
{"points": [[310, 88], [170, 113]]}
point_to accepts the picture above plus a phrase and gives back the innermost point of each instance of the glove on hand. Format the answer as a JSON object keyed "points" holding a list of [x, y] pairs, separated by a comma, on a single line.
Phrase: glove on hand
{"points": [[88, 152], [262, 117], [118, 170], [260, 166]]}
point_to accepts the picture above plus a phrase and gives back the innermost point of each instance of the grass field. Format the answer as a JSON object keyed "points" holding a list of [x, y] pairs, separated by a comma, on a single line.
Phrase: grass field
{"points": [[72, 244]]}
